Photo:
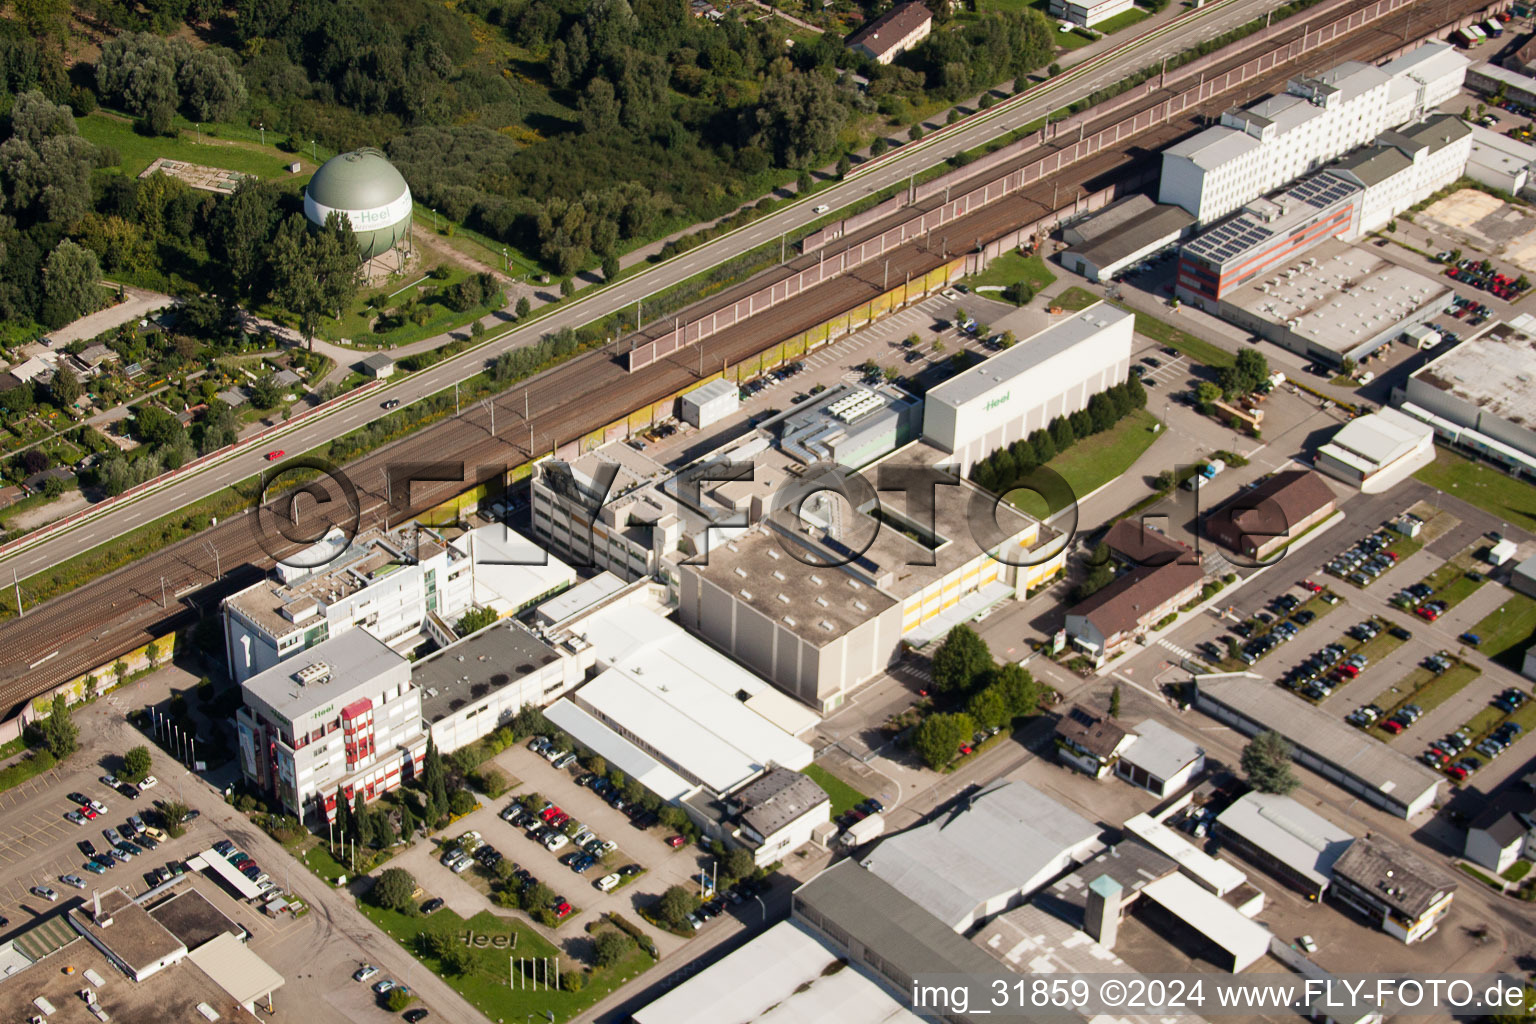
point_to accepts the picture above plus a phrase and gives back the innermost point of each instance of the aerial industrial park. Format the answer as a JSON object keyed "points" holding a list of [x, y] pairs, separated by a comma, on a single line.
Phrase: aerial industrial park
{"points": [[715, 511]]}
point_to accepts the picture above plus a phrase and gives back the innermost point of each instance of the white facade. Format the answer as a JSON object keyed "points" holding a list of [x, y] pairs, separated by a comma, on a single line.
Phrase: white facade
{"points": [[340, 715], [625, 530], [1436, 70], [385, 583], [1500, 162], [1378, 451], [1424, 158], [1258, 149], [1021, 389], [711, 403], [1087, 13]]}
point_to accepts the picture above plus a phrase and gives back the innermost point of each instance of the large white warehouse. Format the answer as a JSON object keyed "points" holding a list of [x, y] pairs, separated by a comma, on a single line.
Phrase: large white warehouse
{"points": [[1023, 388]]}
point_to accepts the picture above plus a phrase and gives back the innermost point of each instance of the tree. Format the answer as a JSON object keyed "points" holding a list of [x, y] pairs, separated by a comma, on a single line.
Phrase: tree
{"points": [[960, 661], [844, 165], [676, 904], [136, 764], [1019, 689], [798, 116], [938, 738], [610, 268], [989, 708], [316, 271], [915, 133], [175, 814], [737, 863], [407, 823], [362, 824], [803, 181], [1266, 761], [398, 999], [343, 815], [395, 890], [65, 387], [474, 620], [1164, 481], [60, 734], [611, 947], [1206, 395], [1114, 701], [434, 781], [70, 279], [524, 307], [1101, 573]]}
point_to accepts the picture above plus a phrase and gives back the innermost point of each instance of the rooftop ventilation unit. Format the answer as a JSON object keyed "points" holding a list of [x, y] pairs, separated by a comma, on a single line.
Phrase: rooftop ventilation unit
{"points": [[317, 673]]}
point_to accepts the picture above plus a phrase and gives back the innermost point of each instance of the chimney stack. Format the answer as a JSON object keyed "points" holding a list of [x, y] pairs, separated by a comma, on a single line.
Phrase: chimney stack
{"points": [[1101, 918]]}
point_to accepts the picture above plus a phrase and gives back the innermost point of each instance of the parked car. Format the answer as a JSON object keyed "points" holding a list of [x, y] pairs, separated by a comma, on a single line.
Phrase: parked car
{"points": [[435, 903], [364, 972], [45, 893]]}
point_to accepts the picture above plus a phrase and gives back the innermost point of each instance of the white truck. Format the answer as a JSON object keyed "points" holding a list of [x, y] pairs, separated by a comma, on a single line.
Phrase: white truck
{"points": [[862, 831]]}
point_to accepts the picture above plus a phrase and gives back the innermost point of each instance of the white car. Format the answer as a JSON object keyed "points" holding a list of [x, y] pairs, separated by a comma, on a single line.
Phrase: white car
{"points": [[45, 892], [609, 846], [555, 842], [110, 781], [150, 782], [74, 880], [823, 208], [384, 986], [98, 807], [607, 883], [75, 816], [364, 972]]}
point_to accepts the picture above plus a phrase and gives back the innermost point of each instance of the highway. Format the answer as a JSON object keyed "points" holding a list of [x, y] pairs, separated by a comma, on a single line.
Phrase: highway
{"points": [[897, 166], [100, 620]]}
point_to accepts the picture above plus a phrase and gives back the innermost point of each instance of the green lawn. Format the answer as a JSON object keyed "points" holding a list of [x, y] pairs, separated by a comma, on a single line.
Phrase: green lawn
{"points": [[1125, 19], [1473, 872], [1072, 40], [1508, 628], [1011, 267], [843, 795], [486, 983], [139, 151], [1518, 870], [1198, 349], [1459, 590], [1075, 298], [1433, 690], [1483, 486], [1094, 461], [356, 325]]}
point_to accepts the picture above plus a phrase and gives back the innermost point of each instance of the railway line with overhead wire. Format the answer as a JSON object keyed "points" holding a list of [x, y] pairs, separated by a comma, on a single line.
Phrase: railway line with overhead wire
{"points": [[120, 612]]}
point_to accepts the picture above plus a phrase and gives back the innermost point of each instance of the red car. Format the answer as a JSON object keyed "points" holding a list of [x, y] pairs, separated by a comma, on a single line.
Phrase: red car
{"points": [[563, 910], [965, 748], [549, 813], [274, 456], [1316, 588], [1426, 613], [88, 812], [1392, 726], [675, 841], [1456, 772]]}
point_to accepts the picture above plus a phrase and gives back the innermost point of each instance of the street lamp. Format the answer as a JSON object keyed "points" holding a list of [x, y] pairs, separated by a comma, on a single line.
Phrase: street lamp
{"points": [[434, 218], [261, 127], [313, 153]]}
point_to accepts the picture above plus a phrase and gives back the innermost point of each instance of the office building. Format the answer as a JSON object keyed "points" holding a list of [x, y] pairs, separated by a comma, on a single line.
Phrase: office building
{"points": [[341, 716], [1394, 887], [1107, 242], [1324, 743], [950, 866], [1102, 624], [893, 33], [778, 811], [1160, 760], [1022, 389], [1259, 522], [1479, 395], [823, 600], [1404, 166], [1377, 451], [1296, 845], [387, 583], [1256, 150], [605, 510], [1088, 13]]}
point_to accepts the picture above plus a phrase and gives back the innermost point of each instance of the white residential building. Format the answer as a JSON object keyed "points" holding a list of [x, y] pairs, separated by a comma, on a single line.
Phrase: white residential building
{"points": [[341, 715], [778, 812], [386, 583], [1256, 150], [1088, 13]]}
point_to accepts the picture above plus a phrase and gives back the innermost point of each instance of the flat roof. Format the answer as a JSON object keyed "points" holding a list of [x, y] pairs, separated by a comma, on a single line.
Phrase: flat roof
{"points": [[1377, 439], [1213, 917], [1060, 337], [1131, 865], [682, 699], [1490, 147], [1262, 220], [1301, 839], [355, 658], [133, 936], [950, 864], [1495, 371], [1324, 735], [1394, 874], [1434, 59], [618, 751], [1217, 875], [511, 571], [786, 975], [887, 922], [1161, 751], [579, 598], [714, 389], [191, 918], [234, 968], [169, 995], [477, 666], [1337, 296], [776, 798], [1214, 147], [211, 859]]}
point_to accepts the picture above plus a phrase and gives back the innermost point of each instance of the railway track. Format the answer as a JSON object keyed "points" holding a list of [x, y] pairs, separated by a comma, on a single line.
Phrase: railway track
{"points": [[122, 611]]}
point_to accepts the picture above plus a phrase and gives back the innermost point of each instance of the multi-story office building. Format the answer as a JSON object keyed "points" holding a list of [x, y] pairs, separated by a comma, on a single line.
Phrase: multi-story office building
{"points": [[341, 716], [1404, 166], [1256, 150], [606, 510], [386, 583]]}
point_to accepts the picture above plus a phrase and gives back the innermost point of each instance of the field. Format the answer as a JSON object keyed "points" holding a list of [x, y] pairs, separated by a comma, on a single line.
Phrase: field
{"points": [[1075, 298], [485, 984], [1507, 631], [1125, 19], [843, 795], [139, 151], [1094, 461], [1489, 489]]}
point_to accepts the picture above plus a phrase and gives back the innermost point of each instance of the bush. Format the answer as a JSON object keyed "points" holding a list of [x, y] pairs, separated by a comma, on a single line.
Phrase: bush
{"points": [[398, 999], [461, 801], [136, 764], [611, 948], [490, 780], [395, 890], [573, 981]]}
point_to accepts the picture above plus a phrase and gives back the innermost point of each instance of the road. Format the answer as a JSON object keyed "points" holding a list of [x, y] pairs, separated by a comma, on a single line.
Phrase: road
{"points": [[892, 169]]}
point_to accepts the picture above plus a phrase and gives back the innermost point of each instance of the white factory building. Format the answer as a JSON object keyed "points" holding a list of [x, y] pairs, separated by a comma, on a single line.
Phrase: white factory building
{"points": [[1405, 165], [1479, 396], [604, 510], [1378, 451], [1257, 149], [1499, 161], [1022, 389], [341, 715]]}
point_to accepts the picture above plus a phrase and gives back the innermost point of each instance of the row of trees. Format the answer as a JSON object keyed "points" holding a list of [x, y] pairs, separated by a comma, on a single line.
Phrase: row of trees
{"points": [[990, 695], [1001, 471]]}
